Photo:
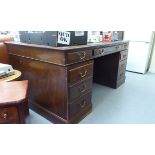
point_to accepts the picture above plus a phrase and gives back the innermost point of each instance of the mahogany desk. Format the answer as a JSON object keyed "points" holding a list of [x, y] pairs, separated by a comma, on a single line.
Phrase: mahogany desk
{"points": [[60, 78]]}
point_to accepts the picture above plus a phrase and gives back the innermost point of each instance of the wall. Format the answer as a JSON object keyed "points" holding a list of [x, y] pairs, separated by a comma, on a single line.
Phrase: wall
{"points": [[152, 65]]}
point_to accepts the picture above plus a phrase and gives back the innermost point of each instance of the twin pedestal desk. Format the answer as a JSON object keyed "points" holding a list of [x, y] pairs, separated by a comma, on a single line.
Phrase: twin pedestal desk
{"points": [[60, 78]]}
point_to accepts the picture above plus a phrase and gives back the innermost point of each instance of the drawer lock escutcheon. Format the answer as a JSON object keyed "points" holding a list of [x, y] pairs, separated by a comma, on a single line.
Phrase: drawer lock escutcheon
{"points": [[82, 104]]}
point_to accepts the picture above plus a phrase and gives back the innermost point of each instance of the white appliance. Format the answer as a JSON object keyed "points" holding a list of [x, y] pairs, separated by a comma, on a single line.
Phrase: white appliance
{"points": [[6, 70], [140, 44]]}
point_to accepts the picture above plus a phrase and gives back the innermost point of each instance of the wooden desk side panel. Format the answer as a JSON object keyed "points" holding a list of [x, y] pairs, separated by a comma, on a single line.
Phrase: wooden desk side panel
{"points": [[47, 84], [43, 54]]}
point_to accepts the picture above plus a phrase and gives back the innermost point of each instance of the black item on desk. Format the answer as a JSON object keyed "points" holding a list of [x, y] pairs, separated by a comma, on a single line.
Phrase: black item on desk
{"points": [[54, 38]]}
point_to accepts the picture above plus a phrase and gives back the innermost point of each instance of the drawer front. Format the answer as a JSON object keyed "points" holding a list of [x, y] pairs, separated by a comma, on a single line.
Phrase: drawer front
{"points": [[104, 51], [80, 73], [78, 105], [121, 73], [79, 56], [99, 52], [80, 89], [108, 50], [120, 82], [9, 115], [123, 55], [122, 64], [122, 47]]}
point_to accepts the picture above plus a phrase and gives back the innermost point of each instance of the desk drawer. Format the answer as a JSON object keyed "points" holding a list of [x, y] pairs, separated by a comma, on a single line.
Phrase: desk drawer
{"points": [[79, 56], [122, 47], [123, 55], [80, 89], [98, 52], [78, 105], [8, 115], [122, 64], [109, 50], [79, 73], [120, 82], [121, 73], [104, 51]]}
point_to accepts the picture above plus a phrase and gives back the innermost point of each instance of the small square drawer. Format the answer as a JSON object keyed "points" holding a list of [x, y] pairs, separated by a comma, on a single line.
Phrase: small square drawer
{"points": [[120, 82], [110, 49], [123, 55], [121, 73], [78, 105], [122, 64], [81, 72], [99, 52], [126, 45], [79, 56], [80, 89], [122, 47], [9, 115]]}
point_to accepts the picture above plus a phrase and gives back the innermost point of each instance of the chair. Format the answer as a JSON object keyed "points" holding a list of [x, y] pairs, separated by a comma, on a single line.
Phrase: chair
{"points": [[3, 51], [13, 102]]}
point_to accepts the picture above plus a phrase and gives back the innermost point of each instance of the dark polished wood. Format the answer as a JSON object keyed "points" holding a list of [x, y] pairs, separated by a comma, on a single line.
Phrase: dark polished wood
{"points": [[110, 69], [9, 115], [13, 102], [80, 71], [60, 78], [78, 56], [3, 54], [47, 84], [80, 88]]}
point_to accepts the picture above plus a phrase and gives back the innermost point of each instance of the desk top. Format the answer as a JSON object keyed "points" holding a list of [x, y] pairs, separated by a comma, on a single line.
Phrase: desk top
{"points": [[67, 48], [63, 56], [13, 77]]}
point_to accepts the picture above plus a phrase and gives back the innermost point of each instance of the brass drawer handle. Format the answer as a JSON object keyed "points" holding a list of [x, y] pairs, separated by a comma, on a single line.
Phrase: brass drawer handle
{"points": [[121, 74], [125, 46], [122, 65], [117, 47], [4, 115], [83, 104], [82, 55], [83, 74], [124, 56], [101, 51], [83, 89]]}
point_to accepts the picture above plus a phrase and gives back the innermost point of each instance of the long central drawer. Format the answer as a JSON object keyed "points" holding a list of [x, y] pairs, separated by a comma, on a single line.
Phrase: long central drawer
{"points": [[78, 56]]}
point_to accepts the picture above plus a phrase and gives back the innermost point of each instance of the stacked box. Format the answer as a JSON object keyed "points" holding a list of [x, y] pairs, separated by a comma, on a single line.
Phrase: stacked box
{"points": [[54, 38]]}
